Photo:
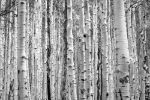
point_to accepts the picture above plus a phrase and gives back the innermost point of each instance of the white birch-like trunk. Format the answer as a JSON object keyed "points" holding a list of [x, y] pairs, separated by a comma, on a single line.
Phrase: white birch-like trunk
{"points": [[122, 51], [15, 55], [82, 89], [1, 57], [110, 95], [88, 48], [44, 44], [135, 58], [37, 48], [70, 55], [53, 55], [23, 89], [106, 47], [95, 49]]}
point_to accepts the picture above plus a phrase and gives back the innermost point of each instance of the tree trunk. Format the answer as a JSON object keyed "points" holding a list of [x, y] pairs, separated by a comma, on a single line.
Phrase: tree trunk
{"points": [[122, 52], [70, 55], [23, 88]]}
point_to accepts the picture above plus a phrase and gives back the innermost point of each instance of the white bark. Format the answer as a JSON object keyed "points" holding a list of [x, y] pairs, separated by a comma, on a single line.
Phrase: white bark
{"points": [[70, 55], [121, 51], [21, 55]]}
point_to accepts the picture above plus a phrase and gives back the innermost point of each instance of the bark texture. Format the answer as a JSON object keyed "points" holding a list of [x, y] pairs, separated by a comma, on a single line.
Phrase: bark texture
{"points": [[74, 50]]}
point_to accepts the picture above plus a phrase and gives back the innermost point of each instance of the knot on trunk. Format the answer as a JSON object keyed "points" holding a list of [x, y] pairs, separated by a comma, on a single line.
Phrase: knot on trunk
{"points": [[124, 79]]}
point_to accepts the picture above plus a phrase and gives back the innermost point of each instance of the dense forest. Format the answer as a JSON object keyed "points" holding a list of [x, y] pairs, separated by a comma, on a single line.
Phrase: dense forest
{"points": [[74, 49]]}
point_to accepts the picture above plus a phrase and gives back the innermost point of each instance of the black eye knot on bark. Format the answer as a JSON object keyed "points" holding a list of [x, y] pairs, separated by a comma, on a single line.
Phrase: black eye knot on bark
{"points": [[124, 79], [84, 35], [21, 3]]}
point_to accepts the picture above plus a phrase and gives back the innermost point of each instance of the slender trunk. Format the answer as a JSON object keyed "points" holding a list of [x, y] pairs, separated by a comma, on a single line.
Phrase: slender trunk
{"points": [[110, 94], [64, 70], [88, 48], [132, 50], [70, 55], [43, 44], [1, 58], [95, 48], [49, 24], [21, 55], [31, 49], [37, 48], [15, 55], [83, 67]]}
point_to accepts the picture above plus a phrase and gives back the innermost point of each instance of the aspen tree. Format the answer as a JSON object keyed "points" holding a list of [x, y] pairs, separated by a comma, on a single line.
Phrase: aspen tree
{"points": [[83, 67], [12, 63], [48, 50], [32, 46], [9, 62], [113, 50], [70, 55], [132, 49], [110, 93], [1, 57], [21, 55], [44, 44], [106, 48], [141, 52], [147, 36], [6, 53], [53, 50], [59, 50], [58, 56], [102, 49], [135, 20], [27, 45], [135, 58], [92, 52], [122, 51], [31, 49], [94, 49], [15, 54], [2, 41], [56, 42], [78, 54], [49, 28], [34, 49], [145, 51], [64, 57], [38, 49], [99, 67], [88, 47], [109, 70], [128, 23]]}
